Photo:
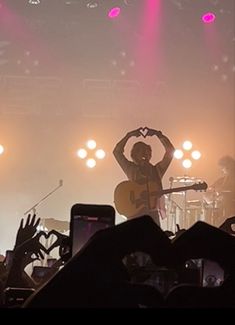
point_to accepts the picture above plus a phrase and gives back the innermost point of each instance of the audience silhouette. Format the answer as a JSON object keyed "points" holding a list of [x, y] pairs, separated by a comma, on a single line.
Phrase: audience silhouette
{"points": [[98, 276]]}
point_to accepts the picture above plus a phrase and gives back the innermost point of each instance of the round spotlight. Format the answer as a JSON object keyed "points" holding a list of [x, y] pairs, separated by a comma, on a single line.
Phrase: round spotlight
{"points": [[208, 18], [1, 149], [82, 153], [91, 163], [91, 144], [92, 4], [114, 12], [100, 154], [187, 145], [178, 154], [34, 2], [187, 163], [196, 154]]}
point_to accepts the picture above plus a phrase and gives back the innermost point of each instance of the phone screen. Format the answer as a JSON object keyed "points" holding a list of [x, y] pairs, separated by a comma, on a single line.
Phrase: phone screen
{"points": [[16, 296], [84, 227], [40, 271], [9, 258], [213, 274], [86, 220]]}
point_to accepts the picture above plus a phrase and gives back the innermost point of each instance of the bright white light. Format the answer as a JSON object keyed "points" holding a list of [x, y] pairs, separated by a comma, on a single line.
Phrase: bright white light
{"points": [[91, 144], [1, 149], [196, 154], [82, 153], [178, 154], [187, 163], [100, 154], [34, 2], [92, 5], [91, 163], [187, 145]]}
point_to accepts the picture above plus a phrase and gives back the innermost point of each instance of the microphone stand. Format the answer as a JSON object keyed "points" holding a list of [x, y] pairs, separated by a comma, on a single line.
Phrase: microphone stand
{"points": [[44, 198], [171, 218]]}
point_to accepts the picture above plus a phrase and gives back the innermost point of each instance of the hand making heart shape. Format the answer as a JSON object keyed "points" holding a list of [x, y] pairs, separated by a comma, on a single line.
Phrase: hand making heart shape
{"points": [[144, 131], [51, 240]]}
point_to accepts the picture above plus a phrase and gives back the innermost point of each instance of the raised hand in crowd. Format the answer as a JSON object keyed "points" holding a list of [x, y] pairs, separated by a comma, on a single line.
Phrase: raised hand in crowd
{"points": [[96, 275], [26, 250], [28, 230], [24, 254]]}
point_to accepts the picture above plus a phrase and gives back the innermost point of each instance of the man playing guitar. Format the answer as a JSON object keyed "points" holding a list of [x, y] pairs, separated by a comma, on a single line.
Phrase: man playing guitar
{"points": [[141, 171]]}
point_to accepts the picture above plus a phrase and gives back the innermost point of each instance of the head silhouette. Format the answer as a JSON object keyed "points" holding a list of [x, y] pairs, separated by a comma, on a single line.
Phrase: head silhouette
{"points": [[141, 152], [227, 163]]}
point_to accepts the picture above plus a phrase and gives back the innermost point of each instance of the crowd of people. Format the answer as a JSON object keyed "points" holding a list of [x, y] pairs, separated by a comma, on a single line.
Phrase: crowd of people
{"points": [[134, 264]]}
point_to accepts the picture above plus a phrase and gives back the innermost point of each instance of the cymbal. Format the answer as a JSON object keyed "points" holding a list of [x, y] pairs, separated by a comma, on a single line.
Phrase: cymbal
{"points": [[190, 180], [194, 203], [186, 179], [183, 177]]}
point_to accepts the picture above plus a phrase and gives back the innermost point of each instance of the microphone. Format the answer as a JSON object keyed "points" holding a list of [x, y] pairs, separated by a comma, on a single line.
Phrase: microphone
{"points": [[61, 182]]}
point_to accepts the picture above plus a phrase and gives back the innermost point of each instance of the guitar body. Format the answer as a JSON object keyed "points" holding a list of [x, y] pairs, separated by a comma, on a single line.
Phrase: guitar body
{"points": [[131, 198]]}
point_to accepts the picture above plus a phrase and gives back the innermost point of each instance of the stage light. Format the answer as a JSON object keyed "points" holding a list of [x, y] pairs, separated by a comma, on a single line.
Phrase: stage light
{"points": [[34, 2], [178, 154], [91, 163], [100, 154], [92, 4], [114, 12], [1, 149], [196, 154], [82, 153], [187, 145], [187, 154], [91, 144], [187, 163], [90, 155], [208, 18]]}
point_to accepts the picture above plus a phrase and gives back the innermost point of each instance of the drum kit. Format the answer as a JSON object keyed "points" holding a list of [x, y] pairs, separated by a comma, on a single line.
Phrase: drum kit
{"points": [[184, 212]]}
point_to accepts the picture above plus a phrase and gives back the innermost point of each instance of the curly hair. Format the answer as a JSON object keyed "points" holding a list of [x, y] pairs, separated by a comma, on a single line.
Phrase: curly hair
{"points": [[139, 147]]}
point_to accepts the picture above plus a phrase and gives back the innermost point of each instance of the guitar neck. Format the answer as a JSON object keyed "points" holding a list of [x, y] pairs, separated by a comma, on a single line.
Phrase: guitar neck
{"points": [[178, 189]]}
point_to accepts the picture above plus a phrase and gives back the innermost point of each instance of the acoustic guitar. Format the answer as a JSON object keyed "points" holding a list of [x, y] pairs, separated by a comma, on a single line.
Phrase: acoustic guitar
{"points": [[130, 198]]}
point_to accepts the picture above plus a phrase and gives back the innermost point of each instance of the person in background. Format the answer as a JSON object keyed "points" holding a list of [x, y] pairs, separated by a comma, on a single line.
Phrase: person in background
{"points": [[221, 194]]}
